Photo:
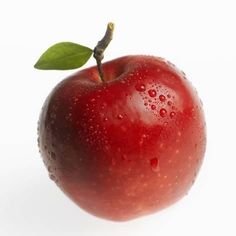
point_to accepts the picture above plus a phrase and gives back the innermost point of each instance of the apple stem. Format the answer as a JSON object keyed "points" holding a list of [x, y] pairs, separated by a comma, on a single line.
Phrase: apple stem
{"points": [[100, 48]]}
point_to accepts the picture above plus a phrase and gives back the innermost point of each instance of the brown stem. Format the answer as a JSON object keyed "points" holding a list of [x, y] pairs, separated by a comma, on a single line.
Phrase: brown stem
{"points": [[100, 48]]}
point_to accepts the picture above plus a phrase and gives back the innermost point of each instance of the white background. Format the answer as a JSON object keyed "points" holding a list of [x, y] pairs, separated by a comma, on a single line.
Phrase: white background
{"points": [[198, 36]]}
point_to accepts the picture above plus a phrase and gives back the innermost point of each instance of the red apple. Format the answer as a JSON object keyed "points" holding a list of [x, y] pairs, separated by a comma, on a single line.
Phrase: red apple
{"points": [[128, 146]]}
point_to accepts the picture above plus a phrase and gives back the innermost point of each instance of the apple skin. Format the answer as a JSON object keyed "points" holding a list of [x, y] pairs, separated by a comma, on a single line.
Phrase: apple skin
{"points": [[126, 147]]}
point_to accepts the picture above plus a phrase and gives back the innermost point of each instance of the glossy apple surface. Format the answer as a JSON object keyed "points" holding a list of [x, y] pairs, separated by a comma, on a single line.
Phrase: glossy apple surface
{"points": [[126, 147]]}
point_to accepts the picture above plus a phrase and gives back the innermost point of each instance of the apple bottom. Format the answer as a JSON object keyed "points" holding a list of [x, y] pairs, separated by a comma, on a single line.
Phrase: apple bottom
{"points": [[126, 189], [133, 198]]}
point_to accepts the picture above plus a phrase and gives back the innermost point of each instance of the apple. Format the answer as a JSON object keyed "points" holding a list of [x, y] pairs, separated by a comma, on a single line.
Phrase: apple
{"points": [[125, 146], [128, 146]]}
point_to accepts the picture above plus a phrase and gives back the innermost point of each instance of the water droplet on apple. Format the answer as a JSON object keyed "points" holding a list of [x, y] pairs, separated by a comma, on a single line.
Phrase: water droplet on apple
{"points": [[124, 157], [163, 112], [53, 115], [152, 93], [154, 162], [172, 114], [76, 100], [38, 141], [68, 117], [140, 87], [183, 73], [52, 177], [162, 98], [153, 107], [168, 95], [120, 117], [169, 103], [165, 123], [53, 156]]}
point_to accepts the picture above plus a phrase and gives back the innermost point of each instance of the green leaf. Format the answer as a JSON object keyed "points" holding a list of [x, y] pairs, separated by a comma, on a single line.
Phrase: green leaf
{"points": [[64, 56]]}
